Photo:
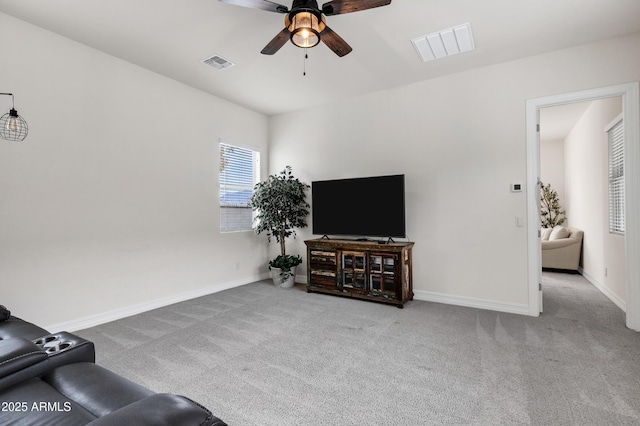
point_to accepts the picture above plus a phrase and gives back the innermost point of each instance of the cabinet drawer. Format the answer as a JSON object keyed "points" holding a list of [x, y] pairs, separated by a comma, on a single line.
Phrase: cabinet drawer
{"points": [[322, 259], [324, 254], [316, 264], [323, 278]]}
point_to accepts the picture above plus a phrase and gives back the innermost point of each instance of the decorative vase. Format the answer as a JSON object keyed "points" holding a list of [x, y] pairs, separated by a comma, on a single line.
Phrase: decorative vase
{"points": [[277, 278]]}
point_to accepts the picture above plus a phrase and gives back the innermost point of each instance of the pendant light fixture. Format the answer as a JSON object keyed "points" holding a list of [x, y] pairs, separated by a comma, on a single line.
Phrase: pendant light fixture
{"points": [[12, 126]]}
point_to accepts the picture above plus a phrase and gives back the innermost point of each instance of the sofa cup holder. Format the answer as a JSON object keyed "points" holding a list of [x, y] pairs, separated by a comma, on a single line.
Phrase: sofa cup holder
{"points": [[54, 344]]}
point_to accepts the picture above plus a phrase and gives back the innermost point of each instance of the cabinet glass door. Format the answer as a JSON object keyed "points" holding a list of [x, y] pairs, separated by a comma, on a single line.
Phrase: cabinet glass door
{"points": [[382, 274], [354, 266]]}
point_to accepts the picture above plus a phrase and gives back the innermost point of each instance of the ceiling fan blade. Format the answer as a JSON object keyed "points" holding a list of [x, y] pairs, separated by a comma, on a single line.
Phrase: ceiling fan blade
{"points": [[267, 5], [335, 42], [277, 42], [337, 7]]}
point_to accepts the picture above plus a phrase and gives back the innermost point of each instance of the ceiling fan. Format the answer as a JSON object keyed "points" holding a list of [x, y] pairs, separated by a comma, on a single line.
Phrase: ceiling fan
{"points": [[305, 23]]}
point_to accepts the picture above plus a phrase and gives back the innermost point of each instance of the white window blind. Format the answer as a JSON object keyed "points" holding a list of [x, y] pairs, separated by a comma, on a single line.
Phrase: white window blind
{"points": [[616, 178], [239, 172]]}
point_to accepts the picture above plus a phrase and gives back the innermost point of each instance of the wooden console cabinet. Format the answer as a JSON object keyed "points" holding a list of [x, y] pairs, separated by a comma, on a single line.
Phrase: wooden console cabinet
{"points": [[360, 269]]}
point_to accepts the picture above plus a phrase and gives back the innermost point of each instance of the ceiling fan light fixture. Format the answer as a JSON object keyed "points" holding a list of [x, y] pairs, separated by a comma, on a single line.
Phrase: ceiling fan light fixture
{"points": [[305, 27]]}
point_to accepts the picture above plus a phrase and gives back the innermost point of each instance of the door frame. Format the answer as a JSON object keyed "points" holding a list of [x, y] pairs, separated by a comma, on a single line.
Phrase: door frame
{"points": [[630, 93]]}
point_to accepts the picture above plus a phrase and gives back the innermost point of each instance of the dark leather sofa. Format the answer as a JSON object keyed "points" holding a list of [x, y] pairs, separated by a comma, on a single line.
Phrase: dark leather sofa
{"points": [[52, 379]]}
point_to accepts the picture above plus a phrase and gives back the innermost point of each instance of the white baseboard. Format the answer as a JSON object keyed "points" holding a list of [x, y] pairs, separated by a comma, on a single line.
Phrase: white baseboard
{"points": [[104, 317], [471, 302], [605, 290], [430, 296]]}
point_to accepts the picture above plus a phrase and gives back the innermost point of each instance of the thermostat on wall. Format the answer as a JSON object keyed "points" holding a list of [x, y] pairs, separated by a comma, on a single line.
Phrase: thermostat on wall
{"points": [[516, 187]]}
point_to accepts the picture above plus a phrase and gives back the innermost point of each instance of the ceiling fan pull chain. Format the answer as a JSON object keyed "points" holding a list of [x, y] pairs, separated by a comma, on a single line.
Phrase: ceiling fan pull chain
{"points": [[304, 68]]}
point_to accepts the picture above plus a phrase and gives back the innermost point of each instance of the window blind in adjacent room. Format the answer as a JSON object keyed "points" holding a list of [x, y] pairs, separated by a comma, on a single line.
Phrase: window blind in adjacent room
{"points": [[616, 177]]}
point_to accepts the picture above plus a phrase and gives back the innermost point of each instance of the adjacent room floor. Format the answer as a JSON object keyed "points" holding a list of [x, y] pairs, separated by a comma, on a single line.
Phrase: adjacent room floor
{"points": [[571, 296]]}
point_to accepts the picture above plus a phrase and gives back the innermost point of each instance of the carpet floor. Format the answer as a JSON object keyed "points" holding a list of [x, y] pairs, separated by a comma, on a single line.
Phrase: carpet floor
{"points": [[260, 355]]}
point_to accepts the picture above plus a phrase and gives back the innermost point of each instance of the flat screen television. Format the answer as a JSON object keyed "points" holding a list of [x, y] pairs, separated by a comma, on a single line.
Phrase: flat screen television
{"points": [[361, 207]]}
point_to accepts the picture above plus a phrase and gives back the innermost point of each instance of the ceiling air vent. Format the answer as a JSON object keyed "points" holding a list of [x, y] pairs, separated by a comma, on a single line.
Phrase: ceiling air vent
{"points": [[444, 43], [218, 62]]}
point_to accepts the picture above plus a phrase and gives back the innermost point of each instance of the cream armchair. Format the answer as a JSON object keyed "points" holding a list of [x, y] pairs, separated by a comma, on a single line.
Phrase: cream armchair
{"points": [[561, 248]]}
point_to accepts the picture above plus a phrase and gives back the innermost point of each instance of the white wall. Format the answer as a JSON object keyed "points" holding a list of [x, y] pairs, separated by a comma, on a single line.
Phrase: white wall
{"points": [[460, 141], [111, 201], [586, 162], [552, 166]]}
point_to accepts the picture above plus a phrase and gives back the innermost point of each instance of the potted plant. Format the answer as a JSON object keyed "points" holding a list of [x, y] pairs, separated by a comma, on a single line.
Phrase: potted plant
{"points": [[280, 202], [551, 214]]}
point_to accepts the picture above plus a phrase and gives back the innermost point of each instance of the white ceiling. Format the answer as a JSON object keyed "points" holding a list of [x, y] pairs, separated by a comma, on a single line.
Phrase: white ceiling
{"points": [[557, 122], [171, 38]]}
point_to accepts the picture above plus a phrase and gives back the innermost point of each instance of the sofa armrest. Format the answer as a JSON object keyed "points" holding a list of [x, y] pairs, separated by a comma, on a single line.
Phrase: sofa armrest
{"points": [[563, 242], [21, 359], [17, 354], [161, 409], [98, 390]]}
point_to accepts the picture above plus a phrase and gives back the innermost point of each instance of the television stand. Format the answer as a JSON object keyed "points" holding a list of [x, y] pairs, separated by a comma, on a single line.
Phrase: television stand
{"points": [[364, 270]]}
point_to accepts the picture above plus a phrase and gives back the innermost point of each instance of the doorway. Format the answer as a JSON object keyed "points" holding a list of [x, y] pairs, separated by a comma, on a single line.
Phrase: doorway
{"points": [[574, 162], [631, 107]]}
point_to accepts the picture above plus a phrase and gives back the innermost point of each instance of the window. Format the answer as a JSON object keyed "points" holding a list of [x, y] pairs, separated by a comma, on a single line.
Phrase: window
{"points": [[239, 172], [615, 132]]}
